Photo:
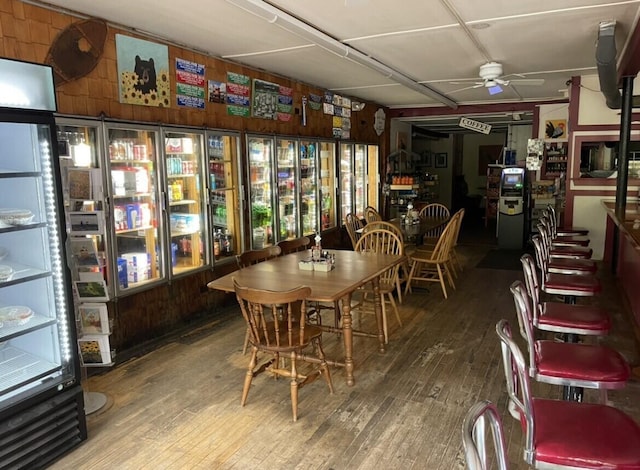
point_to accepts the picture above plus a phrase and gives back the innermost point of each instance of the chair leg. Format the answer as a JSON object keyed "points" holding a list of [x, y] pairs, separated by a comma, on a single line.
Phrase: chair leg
{"points": [[449, 277], [324, 367], [411, 274], [246, 342], [385, 327], [294, 387], [441, 277], [249, 375], [395, 308]]}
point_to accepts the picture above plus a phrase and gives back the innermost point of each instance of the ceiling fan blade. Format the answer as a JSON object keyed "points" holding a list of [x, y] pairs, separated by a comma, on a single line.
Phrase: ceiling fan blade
{"points": [[477, 85], [527, 81]]}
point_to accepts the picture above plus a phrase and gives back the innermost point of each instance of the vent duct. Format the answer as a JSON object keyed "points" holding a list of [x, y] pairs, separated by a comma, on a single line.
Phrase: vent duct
{"points": [[606, 62]]}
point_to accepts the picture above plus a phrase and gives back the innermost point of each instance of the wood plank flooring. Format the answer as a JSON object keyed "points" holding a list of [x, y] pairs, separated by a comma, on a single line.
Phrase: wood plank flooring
{"points": [[178, 407]]}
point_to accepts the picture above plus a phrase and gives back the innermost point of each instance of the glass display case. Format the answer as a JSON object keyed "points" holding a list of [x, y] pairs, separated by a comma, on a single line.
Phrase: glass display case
{"points": [[185, 200], [260, 164], [134, 183], [41, 400], [327, 181], [288, 216], [309, 186], [224, 196], [359, 179]]}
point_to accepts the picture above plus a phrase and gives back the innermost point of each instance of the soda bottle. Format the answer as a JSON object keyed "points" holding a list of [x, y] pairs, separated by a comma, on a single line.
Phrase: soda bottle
{"points": [[216, 243]]}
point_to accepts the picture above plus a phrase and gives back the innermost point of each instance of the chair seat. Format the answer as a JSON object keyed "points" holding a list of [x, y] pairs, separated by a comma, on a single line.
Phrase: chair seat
{"points": [[582, 362], [573, 318], [562, 284], [584, 435], [580, 252], [571, 266], [571, 231], [568, 240]]}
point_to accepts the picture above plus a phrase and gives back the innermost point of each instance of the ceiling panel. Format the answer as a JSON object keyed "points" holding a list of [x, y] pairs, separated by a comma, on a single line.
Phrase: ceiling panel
{"points": [[421, 40]]}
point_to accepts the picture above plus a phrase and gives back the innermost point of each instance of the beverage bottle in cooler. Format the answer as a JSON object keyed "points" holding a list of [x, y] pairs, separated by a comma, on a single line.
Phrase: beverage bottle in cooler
{"points": [[226, 244], [216, 243]]}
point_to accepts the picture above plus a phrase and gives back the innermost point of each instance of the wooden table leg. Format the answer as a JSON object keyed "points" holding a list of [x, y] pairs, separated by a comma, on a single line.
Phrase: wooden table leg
{"points": [[377, 304], [347, 337]]}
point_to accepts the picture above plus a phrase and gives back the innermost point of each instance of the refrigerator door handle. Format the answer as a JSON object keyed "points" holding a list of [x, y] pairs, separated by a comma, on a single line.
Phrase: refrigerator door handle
{"points": [[163, 206]]}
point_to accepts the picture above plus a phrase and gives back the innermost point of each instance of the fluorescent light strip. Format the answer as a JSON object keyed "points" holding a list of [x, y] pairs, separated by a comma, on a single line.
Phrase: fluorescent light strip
{"points": [[293, 25]]}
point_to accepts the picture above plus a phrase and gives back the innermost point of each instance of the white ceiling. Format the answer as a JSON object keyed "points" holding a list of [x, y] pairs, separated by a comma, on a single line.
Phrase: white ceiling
{"points": [[432, 42]]}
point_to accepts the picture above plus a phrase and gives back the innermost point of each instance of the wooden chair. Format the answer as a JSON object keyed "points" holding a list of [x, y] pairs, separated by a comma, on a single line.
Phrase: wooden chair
{"points": [[256, 256], [371, 214], [433, 210], [353, 223], [455, 258], [387, 242], [277, 326], [249, 258], [434, 265], [479, 420], [297, 244], [565, 434], [403, 272]]}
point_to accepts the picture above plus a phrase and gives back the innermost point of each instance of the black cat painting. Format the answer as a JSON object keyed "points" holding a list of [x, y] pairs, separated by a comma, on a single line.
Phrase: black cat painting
{"points": [[146, 72]]}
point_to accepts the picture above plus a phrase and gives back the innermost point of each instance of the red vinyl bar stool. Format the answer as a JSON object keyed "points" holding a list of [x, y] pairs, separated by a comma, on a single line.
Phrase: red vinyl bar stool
{"points": [[565, 229], [572, 365], [563, 240], [565, 434], [561, 265], [579, 252], [482, 418], [557, 317]]}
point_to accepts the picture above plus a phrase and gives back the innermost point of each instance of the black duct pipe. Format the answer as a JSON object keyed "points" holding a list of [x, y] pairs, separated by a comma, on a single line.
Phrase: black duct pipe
{"points": [[606, 62]]}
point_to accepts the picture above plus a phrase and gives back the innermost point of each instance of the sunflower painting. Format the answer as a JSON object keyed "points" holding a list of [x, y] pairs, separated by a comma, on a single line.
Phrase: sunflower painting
{"points": [[143, 72]]}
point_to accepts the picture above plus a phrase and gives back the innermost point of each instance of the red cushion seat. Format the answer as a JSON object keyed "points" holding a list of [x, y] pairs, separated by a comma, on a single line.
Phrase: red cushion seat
{"points": [[571, 252], [571, 231], [561, 284], [573, 318], [582, 362], [571, 266], [567, 240], [584, 435]]}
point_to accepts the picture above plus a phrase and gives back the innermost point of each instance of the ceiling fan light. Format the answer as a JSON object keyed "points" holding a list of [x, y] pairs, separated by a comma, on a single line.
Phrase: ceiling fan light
{"points": [[494, 90]]}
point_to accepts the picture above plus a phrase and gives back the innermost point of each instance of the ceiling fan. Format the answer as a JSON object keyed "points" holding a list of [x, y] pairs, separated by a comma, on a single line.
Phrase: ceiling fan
{"points": [[493, 81]]}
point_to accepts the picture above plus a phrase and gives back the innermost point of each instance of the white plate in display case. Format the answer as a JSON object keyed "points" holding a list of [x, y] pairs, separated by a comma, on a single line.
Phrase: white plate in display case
{"points": [[15, 216], [15, 315], [5, 272]]}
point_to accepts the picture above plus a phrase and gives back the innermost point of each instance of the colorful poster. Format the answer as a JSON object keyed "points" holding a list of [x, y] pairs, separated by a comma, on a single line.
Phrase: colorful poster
{"points": [[217, 92], [265, 99], [238, 95], [190, 83], [143, 72], [285, 103], [315, 102]]}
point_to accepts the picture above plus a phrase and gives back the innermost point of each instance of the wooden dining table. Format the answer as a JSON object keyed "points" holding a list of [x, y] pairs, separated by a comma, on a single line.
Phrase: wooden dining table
{"points": [[351, 270]]}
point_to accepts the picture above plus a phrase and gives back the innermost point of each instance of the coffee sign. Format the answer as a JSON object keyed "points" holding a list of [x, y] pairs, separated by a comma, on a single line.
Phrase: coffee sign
{"points": [[475, 125]]}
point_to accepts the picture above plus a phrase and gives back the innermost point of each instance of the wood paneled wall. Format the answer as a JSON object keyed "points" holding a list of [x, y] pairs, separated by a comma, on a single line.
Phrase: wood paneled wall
{"points": [[26, 33]]}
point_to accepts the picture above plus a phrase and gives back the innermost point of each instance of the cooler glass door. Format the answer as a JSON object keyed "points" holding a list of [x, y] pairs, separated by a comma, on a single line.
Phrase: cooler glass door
{"points": [[327, 154], [261, 156], [346, 180], [309, 186], [286, 167]]}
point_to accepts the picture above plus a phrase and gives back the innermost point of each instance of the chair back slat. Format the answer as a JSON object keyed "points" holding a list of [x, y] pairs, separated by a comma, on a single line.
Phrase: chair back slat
{"points": [[353, 223], [482, 418], [257, 256], [377, 224], [274, 319], [292, 246], [434, 210], [442, 250], [385, 242], [371, 214]]}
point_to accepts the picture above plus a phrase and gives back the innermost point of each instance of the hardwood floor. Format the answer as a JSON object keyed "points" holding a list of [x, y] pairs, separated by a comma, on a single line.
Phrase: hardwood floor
{"points": [[178, 407]]}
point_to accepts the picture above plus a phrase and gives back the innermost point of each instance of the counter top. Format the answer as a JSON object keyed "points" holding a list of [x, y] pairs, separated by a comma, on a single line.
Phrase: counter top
{"points": [[631, 223]]}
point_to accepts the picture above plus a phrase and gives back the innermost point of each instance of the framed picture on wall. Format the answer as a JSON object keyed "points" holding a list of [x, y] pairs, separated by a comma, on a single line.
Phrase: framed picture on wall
{"points": [[441, 160]]}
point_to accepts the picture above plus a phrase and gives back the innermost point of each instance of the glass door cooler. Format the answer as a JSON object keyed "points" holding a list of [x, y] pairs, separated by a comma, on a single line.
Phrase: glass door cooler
{"points": [[185, 200], [224, 194], [134, 181], [288, 215], [359, 177], [261, 174], [327, 181], [41, 400], [309, 186]]}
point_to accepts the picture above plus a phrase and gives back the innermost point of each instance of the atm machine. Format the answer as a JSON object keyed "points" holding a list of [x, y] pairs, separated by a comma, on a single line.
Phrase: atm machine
{"points": [[511, 210]]}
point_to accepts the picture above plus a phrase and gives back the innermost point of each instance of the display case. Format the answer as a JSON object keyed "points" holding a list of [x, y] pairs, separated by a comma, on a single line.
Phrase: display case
{"points": [[309, 185], [41, 400], [134, 181], [260, 164], [185, 200], [224, 195], [359, 178], [288, 215], [492, 195], [327, 181]]}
